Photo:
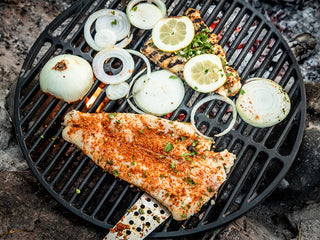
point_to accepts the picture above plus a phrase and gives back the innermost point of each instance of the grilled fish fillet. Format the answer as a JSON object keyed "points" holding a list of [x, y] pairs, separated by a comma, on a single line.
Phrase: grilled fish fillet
{"points": [[166, 159], [174, 62]]}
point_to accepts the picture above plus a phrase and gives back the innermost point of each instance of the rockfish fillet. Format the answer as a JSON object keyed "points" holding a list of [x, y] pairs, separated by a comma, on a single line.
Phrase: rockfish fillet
{"points": [[167, 159]]}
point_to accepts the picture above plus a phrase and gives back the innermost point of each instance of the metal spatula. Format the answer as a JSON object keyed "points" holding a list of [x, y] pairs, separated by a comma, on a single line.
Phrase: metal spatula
{"points": [[140, 220]]}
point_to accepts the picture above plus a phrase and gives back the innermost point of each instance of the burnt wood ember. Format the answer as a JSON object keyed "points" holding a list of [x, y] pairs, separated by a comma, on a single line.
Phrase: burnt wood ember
{"points": [[303, 45], [290, 3]]}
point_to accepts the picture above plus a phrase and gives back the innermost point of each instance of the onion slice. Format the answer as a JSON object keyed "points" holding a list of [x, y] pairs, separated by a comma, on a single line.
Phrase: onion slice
{"points": [[210, 98], [134, 108], [112, 20], [161, 94], [117, 91], [262, 102], [103, 56], [145, 15], [145, 59]]}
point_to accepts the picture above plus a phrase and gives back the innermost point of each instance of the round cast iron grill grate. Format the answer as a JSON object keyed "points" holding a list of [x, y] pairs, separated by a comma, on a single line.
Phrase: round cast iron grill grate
{"points": [[253, 47]]}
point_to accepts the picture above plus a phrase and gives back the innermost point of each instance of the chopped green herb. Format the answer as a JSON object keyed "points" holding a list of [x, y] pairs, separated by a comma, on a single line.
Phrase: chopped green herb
{"points": [[141, 131], [195, 143], [173, 77], [135, 8], [210, 189], [173, 164], [110, 162], [184, 215], [229, 74], [183, 138], [141, 211], [195, 88], [190, 181], [242, 91], [157, 219], [116, 173], [114, 22], [118, 121], [188, 154], [199, 45], [133, 163], [113, 12], [78, 191], [111, 116], [145, 174], [168, 147]]}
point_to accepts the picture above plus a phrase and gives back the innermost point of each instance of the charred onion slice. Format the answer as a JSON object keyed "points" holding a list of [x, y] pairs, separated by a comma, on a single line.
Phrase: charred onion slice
{"points": [[103, 56], [145, 15], [210, 98], [108, 19], [262, 102]]}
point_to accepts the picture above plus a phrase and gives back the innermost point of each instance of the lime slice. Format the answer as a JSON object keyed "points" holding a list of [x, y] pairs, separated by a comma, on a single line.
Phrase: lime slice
{"points": [[204, 73], [173, 33]]}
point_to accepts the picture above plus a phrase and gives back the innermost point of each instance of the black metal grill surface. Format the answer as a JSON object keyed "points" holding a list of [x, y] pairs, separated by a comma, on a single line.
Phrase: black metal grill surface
{"points": [[264, 155]]}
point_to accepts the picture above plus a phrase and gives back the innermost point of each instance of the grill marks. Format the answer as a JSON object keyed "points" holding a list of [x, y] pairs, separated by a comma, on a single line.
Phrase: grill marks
{"points": [[166, 159]]}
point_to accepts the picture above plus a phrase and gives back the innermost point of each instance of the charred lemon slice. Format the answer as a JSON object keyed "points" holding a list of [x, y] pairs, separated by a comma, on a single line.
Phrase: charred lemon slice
{"points": [[204, 73], [173, 33]]}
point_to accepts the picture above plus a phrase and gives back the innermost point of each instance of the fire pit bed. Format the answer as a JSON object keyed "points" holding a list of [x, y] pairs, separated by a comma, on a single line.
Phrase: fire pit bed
{"points": [[254, 48]]}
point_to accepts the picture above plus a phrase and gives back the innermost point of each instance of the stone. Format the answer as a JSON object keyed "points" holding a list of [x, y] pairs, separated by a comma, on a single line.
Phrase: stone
{"points": [[28, 212], [245, 228], [308, 222], [313, 98]]}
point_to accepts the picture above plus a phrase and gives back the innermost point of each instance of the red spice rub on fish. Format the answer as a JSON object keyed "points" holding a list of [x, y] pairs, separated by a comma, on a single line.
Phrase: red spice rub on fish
{"points": [[167, 159]]}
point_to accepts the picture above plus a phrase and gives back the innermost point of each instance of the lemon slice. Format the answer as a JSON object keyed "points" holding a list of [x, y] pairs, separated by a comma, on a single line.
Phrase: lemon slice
{"points": [[173, 33], [204, 73]]}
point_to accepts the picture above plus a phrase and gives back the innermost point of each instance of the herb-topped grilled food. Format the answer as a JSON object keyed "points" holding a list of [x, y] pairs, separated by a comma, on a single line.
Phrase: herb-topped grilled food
{"points": [[204, 42]]}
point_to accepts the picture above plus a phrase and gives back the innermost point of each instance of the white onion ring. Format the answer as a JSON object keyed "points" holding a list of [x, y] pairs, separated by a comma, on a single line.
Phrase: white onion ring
{"points": [[125, 42], [159, 3], [262, 102], [207, 99], [134, 108], [121, 28], [147, 15], [105, 55], [146, 60]]}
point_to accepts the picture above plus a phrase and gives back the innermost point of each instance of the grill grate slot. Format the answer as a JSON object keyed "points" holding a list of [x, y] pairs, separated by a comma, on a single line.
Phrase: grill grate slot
{"points": [[248, 45], [226, 17], [253, 47]]}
